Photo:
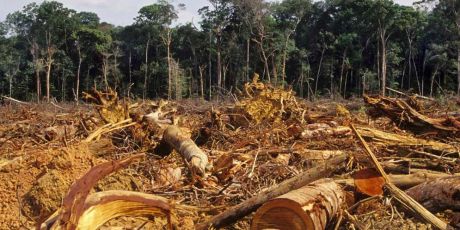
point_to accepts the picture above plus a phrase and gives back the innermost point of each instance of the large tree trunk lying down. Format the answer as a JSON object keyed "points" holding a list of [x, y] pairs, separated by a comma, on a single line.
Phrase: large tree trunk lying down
{"points": [[246, 207], [197, 159], [310, 207], [438, 195], [101, 207]]}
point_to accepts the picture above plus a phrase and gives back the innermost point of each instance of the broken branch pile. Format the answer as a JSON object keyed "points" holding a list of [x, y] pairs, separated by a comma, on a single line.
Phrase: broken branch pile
{"points": [[269, 160]]}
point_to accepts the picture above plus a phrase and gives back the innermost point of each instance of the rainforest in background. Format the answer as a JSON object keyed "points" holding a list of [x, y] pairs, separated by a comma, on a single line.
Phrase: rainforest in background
{"points": [[331, 48]]}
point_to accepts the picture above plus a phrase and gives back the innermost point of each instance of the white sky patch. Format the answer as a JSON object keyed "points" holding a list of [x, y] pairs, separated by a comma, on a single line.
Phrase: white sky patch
{"points": [[123, 12]]}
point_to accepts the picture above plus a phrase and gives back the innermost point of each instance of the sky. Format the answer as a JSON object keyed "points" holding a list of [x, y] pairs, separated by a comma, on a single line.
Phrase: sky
{"points": [[122, 12]]}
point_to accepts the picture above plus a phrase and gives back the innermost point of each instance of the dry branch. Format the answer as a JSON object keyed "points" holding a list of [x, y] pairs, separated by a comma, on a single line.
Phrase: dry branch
{"points": [[438, 195], [246, 207], [402, 197], [310, 207]]}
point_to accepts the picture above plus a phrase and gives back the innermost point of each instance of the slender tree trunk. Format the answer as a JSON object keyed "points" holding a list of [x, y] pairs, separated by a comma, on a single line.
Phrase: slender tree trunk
{"points": [[219, 64], [77, 87], [37, 78], [248, 42], [319, 70], [458, 69], [48, 74], [129, 68], [210, 66], [283, 67], [105, 69], [416, 74], [432, 80], [342, 69], [49, 62], [201, 70], [274, 70], [144, 93], [410, 58], [168, 57]]}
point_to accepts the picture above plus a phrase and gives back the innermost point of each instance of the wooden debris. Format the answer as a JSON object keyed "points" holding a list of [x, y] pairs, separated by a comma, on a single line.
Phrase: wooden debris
{"points": [[246, 207], [405, 116], [404, 141], [197, 159], [402, 197], [73, 205], [438, 195], [310, 207], [101, 207]]}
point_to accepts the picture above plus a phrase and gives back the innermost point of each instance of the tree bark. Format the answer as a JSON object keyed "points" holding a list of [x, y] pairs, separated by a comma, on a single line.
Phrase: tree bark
{"points": [[201, 70], [168, 57], [246, 207], [197, 159], [458, 69], [144, 93], [294, 210], [77, 87], [248, 42], [439, 194], [219, 64], [319, 70]]}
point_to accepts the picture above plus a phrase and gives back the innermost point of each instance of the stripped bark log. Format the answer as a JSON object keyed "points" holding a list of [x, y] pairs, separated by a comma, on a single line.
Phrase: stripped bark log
{"points": [[101, 207], [197, 159], [310, 207], [73, 204], [246, 207], [438, 195]]}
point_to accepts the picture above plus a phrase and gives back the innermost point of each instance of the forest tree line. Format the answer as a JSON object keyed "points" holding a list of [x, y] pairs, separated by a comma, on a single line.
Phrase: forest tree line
{"points": [[333, 48]]}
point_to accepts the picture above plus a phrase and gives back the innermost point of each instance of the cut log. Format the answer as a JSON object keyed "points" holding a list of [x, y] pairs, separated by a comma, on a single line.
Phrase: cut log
{"points": [[246, 207], [196, 158], [73, 204], [438, 195], [101, 207], [310, 207]]}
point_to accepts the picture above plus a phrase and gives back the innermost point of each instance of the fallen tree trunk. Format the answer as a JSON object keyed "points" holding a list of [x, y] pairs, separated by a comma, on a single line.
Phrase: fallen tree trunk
{"points": [[101, 207], [438, 195], [405, 181], [246, 207], [310, 207], [195, 157]]}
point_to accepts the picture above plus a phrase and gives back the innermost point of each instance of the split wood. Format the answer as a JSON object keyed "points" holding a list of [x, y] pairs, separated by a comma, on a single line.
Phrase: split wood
{"points": [[399, 194], [246, 207]]}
